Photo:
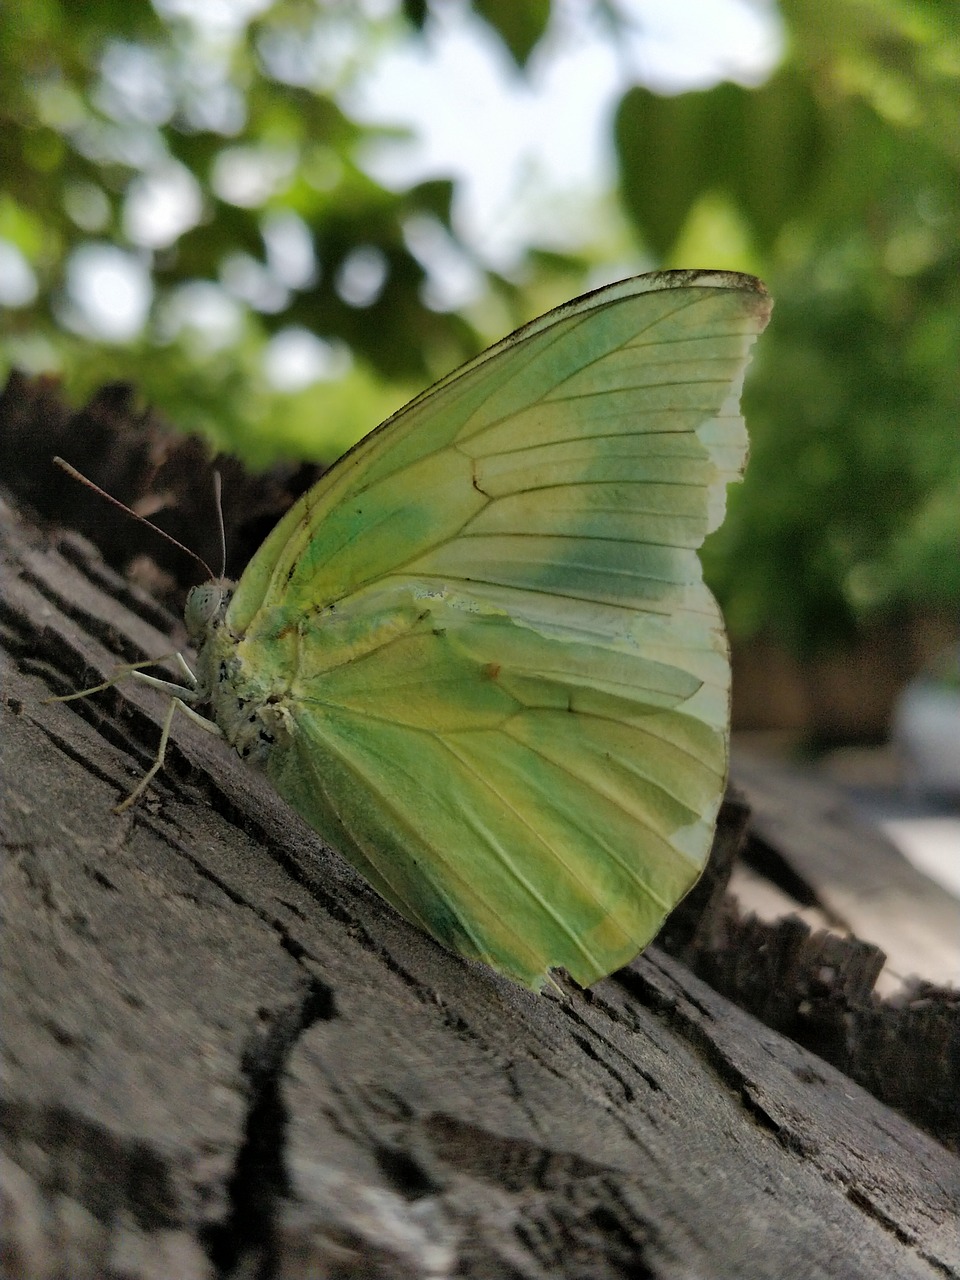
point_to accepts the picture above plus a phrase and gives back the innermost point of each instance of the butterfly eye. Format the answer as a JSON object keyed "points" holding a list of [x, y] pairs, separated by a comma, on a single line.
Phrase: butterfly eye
{"points": [[203, 605]]}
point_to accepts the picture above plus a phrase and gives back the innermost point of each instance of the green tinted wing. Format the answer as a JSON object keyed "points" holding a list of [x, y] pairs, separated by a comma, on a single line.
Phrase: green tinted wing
{"points": [[509, 683]]}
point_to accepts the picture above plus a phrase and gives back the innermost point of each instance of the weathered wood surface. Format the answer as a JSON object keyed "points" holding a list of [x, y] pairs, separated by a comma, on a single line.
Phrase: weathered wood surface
{"points": [[224, 1056], [848, 875]]}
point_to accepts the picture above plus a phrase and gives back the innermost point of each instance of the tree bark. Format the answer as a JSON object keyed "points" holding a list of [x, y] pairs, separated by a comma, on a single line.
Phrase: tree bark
{"points": [[223, 1055]]}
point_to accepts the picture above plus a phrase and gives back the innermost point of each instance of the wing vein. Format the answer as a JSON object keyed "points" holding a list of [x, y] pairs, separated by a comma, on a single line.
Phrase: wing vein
{"points": [[629, 871]]}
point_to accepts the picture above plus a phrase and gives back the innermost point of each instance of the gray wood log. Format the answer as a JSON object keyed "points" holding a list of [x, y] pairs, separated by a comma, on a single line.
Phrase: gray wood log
{"points": [[223, 1055], [850, 873]]}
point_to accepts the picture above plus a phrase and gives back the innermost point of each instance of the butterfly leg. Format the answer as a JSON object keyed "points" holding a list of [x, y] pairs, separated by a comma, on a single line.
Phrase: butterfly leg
{"points": [[135, 669], [190, 694], [157, 765], [185, 667]]}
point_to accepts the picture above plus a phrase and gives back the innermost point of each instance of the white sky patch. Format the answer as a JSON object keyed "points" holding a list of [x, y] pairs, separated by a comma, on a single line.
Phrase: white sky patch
{"points": [[361, 276], [453, 280], [248, 176], [134, 84], [108, 292], [250, 281], [214, 17], [295, 358], [18, 284], [204, 310], [698, 43], [161, 205], [289, 248]]}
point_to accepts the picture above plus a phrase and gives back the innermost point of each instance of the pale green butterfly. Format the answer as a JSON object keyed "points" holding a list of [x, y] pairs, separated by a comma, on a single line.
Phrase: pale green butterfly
{"points": [[478, 655]]}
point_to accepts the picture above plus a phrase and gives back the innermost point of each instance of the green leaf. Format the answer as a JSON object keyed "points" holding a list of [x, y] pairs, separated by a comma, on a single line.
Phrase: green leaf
{"points": [[763, 147], [415, 12], [659, 153], [519, 25]]}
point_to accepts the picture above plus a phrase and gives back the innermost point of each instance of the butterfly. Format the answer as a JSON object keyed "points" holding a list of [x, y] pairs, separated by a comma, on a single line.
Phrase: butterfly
{"points": [[478, 656]]}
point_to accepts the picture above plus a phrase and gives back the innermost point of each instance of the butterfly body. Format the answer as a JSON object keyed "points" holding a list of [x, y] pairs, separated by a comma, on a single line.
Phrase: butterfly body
{"points": [[478, 656]]}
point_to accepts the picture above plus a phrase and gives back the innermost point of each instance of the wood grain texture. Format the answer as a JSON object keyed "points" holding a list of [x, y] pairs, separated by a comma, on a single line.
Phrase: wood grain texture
{"points": [[849, 871], [223, 1055]]}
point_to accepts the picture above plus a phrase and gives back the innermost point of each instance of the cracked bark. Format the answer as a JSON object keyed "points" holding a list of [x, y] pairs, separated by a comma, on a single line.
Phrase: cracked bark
{"points": [[224, 1056]]}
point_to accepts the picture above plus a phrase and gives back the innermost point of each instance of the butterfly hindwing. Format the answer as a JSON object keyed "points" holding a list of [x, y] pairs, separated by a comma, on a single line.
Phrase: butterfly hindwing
{"points": [[507, 687]]}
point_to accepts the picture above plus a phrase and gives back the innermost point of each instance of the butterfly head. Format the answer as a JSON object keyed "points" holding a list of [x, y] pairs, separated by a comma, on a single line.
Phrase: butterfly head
{"points": [[206, 605]]}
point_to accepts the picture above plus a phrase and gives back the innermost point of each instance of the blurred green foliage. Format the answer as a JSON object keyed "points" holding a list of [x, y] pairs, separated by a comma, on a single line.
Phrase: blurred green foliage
{"points": [[837, 181]]}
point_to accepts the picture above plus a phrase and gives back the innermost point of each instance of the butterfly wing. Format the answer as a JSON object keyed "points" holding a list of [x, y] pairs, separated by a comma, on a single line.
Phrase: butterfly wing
{"points": [[507, 683]]}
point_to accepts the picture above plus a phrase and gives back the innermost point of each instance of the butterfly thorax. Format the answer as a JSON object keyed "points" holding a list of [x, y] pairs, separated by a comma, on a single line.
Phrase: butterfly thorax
{"points": [[248, 706]]}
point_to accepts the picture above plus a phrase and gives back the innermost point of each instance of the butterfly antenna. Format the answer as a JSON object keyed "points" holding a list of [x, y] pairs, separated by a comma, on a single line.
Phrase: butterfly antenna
{"points": [[217, 502], [79, 476]]}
